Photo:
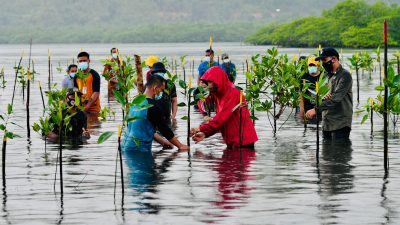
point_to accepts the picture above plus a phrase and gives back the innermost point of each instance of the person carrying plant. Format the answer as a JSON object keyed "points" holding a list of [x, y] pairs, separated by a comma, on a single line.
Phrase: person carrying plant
{"points": [[140, 133], [228, 67], [149, 63], [109, 73], [69, 79], [312, 76], [89, 84], [337, 107], [232, 113], [77, 126]]}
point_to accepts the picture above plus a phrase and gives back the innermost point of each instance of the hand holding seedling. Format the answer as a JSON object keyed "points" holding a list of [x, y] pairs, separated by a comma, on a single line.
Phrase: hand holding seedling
{"points": [[311, 113], [327, 96], [198, 136], [85, 133]]}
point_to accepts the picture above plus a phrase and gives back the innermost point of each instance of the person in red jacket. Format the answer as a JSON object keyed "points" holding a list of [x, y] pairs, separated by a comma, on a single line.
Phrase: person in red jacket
{"points": [[227, 119]]}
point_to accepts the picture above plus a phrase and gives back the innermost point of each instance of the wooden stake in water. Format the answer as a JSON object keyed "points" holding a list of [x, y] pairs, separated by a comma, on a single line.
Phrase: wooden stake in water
{"points": [[241, 126], [139, 74], [304, 114], [317, 116], [358, 79], [120, 160], [49, 65], [3, 159], [184, 75], [60, 154], [385, 102], [28, 90], [371, 104], [188, 111], [16, 77], [41, 94], [218, 54]]}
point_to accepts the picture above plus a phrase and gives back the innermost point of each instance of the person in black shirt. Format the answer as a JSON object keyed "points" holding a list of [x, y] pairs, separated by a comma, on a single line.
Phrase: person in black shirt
{"points": [[311, 77], [168, 102], [78, 122]]}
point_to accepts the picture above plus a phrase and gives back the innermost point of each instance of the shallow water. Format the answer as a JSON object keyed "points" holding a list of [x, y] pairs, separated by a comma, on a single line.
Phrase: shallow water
{"points": [[277, 184]]}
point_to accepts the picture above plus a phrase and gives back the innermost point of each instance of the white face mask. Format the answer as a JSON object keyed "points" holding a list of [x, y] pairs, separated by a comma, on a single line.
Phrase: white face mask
{"points": [[207, 59], [114, 55], [83, 65], [72, 75], [226, 61]]}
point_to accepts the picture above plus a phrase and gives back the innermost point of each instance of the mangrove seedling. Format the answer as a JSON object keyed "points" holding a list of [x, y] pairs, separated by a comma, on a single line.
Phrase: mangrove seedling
{"points": [[5, 118], [355, 64]]}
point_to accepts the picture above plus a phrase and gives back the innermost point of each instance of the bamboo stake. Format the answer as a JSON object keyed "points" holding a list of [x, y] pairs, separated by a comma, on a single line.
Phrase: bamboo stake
{"points": [[139, 73], [188, 112], [317, 106], [49, 65], [28, 90], [120, 160], [3, 159], [385, 103], [41, 94], [16, 77]]}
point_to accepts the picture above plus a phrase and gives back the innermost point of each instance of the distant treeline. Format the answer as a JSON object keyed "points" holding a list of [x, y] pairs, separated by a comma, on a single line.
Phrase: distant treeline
{"points": [[181, 32], [352, 23]]}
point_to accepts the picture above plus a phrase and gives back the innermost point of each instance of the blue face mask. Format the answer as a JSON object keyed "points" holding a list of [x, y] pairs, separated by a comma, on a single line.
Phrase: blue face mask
{"points": [[312, 69], [83, 65], [72, 75], [159, 96]]}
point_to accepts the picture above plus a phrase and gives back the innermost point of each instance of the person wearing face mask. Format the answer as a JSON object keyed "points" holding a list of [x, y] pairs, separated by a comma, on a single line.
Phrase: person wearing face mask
{"points": [[69, 79], [140, 133], [167, 101], [90, 85], [109, 73], [206, 64], [337, 107], [228, 118], [311, 77], [228, 67], [78, 121]]}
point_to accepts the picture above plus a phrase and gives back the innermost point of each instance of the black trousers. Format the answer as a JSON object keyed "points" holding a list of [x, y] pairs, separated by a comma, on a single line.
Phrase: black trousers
{"points": [[337, 134]]}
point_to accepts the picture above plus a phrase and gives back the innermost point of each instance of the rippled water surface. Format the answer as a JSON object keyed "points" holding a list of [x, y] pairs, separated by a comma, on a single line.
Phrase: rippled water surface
{"points": [[279, 183]]}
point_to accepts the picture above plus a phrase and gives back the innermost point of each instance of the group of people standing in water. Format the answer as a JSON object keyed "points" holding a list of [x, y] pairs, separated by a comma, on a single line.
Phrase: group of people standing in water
{"points": [[231, 118]]}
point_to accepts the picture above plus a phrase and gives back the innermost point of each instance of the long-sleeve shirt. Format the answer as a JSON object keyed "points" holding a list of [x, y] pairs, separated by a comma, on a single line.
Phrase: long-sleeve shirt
{"points": [[337, 111]]}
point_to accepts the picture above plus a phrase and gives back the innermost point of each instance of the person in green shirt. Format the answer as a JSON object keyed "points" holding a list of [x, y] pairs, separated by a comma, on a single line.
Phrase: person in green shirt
{"points": [[337, 107]]}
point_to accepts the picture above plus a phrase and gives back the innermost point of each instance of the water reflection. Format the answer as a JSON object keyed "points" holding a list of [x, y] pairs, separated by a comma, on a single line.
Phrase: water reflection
{"points": [[233, 170], [144, 175], [335, 177]]}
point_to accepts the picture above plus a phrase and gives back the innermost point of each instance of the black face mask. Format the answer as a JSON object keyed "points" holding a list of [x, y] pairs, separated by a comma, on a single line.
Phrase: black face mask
{"points": [[71, 102], [328, 66]]}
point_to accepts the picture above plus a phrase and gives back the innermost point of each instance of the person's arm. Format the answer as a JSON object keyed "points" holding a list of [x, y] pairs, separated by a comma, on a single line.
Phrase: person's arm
{"points": [[344, 85], [153, 115], [214, 125], [174, 102], [96, 91]]}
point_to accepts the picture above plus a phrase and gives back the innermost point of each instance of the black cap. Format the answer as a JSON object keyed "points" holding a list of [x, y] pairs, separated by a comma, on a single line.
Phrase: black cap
{"points": [[158, 67], [328, 52]]}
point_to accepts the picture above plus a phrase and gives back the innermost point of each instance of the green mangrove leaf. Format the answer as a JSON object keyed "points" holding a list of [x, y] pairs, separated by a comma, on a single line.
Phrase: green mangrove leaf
{"points": [[105, 136]]}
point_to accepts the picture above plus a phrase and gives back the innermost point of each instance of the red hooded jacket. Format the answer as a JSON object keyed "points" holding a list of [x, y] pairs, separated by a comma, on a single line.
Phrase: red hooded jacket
{"points": [[226, 121]]}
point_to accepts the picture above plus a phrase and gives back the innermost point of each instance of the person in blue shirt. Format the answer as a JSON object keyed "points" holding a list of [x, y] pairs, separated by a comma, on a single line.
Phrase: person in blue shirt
{"points": [[140, 133], [228, 67], [206, 64]]}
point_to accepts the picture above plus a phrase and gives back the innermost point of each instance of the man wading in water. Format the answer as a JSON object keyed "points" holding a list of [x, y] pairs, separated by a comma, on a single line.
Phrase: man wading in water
{"points": [[337, 107]]}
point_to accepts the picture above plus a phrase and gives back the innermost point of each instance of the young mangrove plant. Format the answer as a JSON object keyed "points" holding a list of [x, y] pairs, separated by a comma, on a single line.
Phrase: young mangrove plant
{"points": [[190, 101], [377, 52], [273, 85], [2, 77], [355, 64], [367, 63], [4, 121], [321, 88]]}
